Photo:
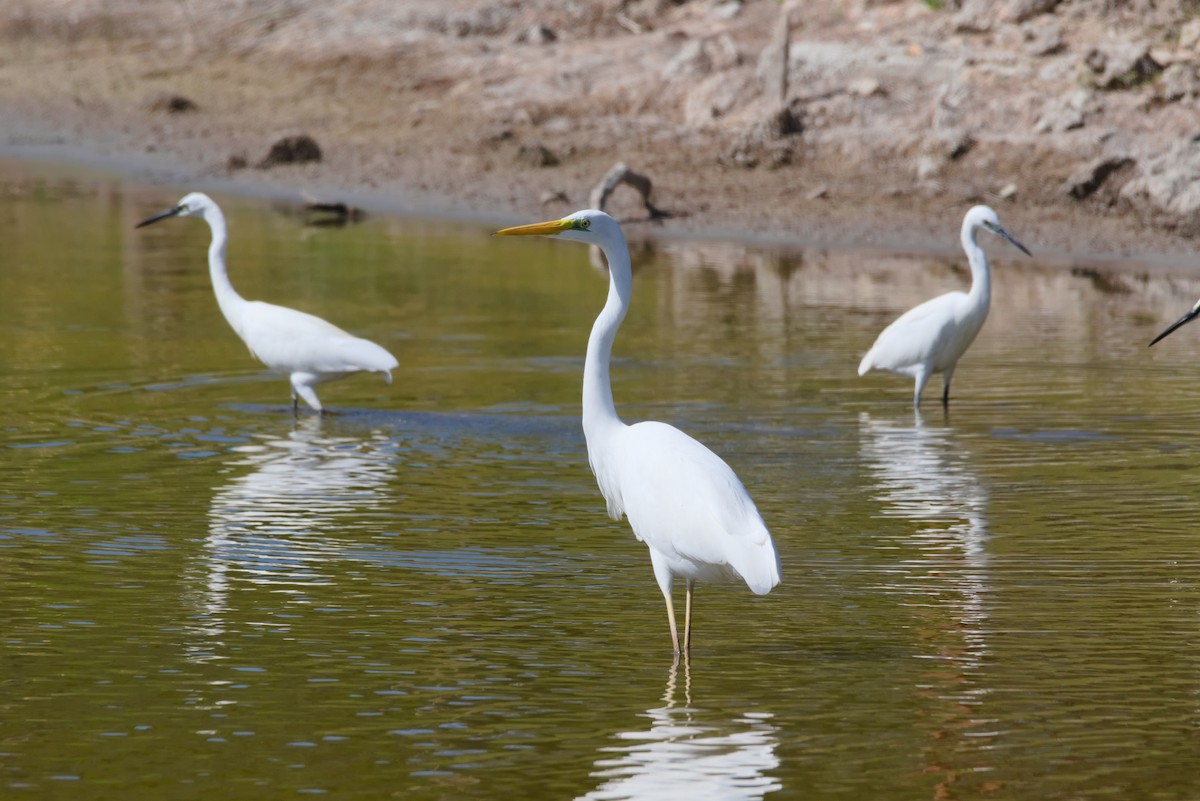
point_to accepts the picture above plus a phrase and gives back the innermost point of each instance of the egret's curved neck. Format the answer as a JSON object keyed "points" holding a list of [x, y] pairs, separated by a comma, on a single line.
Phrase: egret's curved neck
{"points": [[981, 275], [227, 297], [599, 412]]}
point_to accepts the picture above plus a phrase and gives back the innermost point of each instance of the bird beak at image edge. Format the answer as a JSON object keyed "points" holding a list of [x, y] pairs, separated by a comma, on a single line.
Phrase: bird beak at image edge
{"points": [[1187, 318], [164, 215], [1004, 233], [549, 228]]}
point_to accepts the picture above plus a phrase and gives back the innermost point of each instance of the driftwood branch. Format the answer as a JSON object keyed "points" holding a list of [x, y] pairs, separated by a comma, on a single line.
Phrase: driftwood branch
{"points": [[620, 174]]}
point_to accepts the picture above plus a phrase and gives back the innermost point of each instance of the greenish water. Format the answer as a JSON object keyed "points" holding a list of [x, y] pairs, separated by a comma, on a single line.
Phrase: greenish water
{"points": [[421, 597]]}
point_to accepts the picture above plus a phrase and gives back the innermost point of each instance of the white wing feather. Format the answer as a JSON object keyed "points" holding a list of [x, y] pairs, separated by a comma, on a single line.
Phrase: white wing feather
{"points": [[685, 502], [922, 333], [290, 341]]}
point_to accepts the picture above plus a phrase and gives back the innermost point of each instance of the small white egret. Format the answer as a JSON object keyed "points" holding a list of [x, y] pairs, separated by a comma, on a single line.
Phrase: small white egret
{"points": [[932, 337], [306, 348], [681, 499], [1192, 314]]}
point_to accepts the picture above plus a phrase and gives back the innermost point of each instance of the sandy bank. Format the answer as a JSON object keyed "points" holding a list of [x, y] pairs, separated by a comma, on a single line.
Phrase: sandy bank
{"points": [[503, 111]]}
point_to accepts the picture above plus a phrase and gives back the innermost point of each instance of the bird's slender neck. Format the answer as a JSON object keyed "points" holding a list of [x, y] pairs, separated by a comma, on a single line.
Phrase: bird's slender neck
{"points": [[981, 275], [599, 412], [227, 297]]}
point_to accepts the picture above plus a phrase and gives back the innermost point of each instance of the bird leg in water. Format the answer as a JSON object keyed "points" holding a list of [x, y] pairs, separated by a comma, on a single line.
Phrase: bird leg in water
{"points": [[947, 376], [302, 386], [671, 620], [922, 378], [687, 618], [295, 404]]}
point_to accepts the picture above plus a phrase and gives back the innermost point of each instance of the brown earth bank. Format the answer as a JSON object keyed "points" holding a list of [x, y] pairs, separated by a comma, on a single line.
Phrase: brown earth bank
{"points": [[867, 123]]}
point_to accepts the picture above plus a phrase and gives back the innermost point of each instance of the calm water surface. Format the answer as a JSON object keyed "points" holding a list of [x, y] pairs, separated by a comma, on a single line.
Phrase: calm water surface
{"points": [[421, 597]]}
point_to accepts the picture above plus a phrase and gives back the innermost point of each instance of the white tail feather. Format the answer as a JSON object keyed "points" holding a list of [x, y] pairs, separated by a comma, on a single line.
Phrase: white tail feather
{"points": [[865, 365]]}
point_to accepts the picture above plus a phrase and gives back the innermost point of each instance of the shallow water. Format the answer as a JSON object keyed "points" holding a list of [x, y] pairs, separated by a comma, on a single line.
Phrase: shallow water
{"points": [[421, 596]]}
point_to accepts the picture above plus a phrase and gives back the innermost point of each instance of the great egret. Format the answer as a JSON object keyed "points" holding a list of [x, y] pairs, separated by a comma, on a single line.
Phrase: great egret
{"points": [[308, 349], [681, 499], [932, 337], [1184, 320]]}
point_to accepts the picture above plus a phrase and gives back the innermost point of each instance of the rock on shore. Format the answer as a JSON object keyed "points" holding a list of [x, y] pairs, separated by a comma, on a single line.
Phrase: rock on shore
{"points": [[897, 107]]}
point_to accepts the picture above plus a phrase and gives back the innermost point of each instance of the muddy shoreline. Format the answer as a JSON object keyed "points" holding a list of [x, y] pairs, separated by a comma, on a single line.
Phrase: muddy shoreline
{"points": [[444, 124]]}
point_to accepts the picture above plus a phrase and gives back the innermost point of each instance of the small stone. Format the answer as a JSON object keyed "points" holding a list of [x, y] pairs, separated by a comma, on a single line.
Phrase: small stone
{"points": [[497, 136], [535, 155], [1091, 176], [170, 104], [928, 167], [1165, 57], [778, 155], [744, 158], [1189, 35], [724, 53], [727, 10], [974, 16], [1121, 65], [1179, 82], [297, 149], [1170, 182], [1043, 39], [553, 196], [1095, 61], [692, 61], [237, 162], [952, 143], [940, 148], [1007, 192], [558, 125], [1066, 113], [1022, 10], [715, 96], [818, 193], [864, 87], [537, 35]]}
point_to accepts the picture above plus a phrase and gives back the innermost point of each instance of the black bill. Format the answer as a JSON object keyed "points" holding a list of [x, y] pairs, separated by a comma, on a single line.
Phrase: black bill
{"points": [[164, 215], [1000, 230], [1185, 319]]}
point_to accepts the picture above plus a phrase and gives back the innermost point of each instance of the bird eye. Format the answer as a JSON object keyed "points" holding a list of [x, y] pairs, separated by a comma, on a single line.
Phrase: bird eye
{"points": [[586, 223]]}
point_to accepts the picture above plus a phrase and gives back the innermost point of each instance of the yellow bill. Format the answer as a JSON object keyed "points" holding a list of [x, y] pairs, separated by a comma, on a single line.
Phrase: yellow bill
{"points": [[549, 228]]}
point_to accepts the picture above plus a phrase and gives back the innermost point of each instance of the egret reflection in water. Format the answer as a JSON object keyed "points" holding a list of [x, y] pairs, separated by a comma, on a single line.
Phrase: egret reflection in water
{"points": [[276, 526], [687, 755], [922, 474]]}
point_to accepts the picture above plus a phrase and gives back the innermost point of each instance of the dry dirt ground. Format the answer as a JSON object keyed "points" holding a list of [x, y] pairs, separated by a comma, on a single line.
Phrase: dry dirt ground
{"points": [[1074, 118]]}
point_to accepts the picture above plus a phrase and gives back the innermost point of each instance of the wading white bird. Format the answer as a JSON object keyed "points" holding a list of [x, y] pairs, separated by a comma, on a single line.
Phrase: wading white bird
{"points": [[304, 347], [932, 337], [681, 499]]}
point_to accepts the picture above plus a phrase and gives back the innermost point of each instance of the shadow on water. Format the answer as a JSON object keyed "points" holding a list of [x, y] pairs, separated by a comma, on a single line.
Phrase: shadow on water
{"points": [[449, 425]]}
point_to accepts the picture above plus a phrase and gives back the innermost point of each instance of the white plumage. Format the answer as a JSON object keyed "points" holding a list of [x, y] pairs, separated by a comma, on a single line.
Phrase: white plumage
{"points": [[702, 526], [306, 348], [681, 499], [932, 337]]}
